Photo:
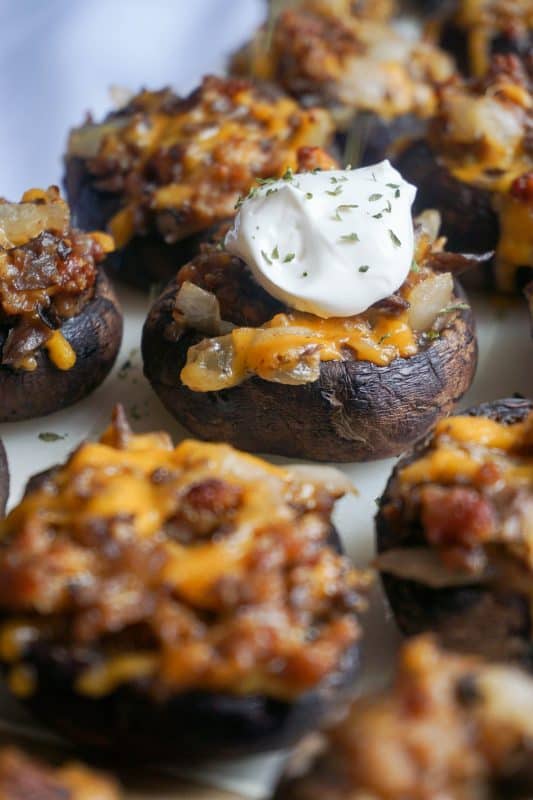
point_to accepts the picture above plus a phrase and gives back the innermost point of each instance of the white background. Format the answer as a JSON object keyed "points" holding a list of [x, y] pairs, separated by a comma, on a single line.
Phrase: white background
{"points": [[58, 59]]}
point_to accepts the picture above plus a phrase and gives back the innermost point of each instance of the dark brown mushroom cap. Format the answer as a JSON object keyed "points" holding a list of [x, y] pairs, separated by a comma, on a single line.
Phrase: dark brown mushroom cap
{"points": [[95, 335], [195, 725], [356, 411], [471, 618], [4, 479]]}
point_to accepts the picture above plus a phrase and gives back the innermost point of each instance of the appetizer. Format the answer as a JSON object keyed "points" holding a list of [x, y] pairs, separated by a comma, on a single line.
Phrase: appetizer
{"points": [[380, 85], [60, 323], [160, 172], [4, 479], [476, 167], [450, 727], [453, 532], [25, 778], [328, 328], [171, 603], [475, 30]]}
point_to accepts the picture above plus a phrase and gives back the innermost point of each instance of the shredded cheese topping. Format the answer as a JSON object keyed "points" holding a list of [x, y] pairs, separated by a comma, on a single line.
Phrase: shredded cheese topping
{"points": [[192, 556]]}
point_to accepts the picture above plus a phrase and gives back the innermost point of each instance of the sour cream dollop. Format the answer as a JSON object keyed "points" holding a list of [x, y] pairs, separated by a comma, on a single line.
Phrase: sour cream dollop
{"points": [[330, 243]]}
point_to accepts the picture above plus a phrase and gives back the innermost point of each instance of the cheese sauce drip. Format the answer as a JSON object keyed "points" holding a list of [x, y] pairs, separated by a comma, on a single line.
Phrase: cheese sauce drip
{"points": [[331, 243], [199, 546]]}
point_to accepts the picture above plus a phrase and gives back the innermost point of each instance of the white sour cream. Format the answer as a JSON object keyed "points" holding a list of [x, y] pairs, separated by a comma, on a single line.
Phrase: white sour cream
{"points": [[330, 243]]}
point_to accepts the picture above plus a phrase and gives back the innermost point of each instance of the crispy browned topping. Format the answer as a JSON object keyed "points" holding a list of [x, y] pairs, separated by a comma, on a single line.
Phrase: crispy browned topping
{"points": [[187, 567], [180, 165], [23, 778], [345, 62], [451, 727], [47, 272], [470, 495], [483, 135]]}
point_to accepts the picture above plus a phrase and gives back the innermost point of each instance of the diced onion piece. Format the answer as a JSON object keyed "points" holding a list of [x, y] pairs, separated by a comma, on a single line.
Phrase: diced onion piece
{"points": [[85, 142], [216, 364], [425, 566], [335, 482], [21, 222], [428, 298], [199, 308], [471, 119], [427, 225], [210, 365]]}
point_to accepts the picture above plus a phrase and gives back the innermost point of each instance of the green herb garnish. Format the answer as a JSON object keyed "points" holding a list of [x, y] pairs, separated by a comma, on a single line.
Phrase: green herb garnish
{"points": [[267, 259], [364, 268], [335, 192], [349, 237], [49, 436], [275, 253], [289, 257], [396, 242], [374, 197]]}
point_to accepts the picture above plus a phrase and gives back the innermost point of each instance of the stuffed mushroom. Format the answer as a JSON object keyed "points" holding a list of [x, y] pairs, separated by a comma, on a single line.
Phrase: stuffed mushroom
{"points": [[161, 171], [379, 84], [450, 726], [475, 30], [334, 337], [23, 777], [60, 324], [476, 167], [4, 479], [174, 603], [453, 532]]}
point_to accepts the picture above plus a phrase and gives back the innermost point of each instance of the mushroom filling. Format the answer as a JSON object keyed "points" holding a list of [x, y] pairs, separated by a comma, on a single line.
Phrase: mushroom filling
{"points": [[450, 726], [484, 21], [482, 133], [24, 778], [467, 505], [47, 275], [345, 62], [176, 166], [194, 567], [279, 344]]}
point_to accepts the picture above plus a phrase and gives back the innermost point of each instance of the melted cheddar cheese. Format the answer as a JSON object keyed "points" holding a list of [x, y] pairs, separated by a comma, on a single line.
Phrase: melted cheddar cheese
{"points": [[47, 272], [471, 495], [485, 20], [346, 59], [291, 346], [481, 135], [181, 165], [462, 445], [178, 566]]}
